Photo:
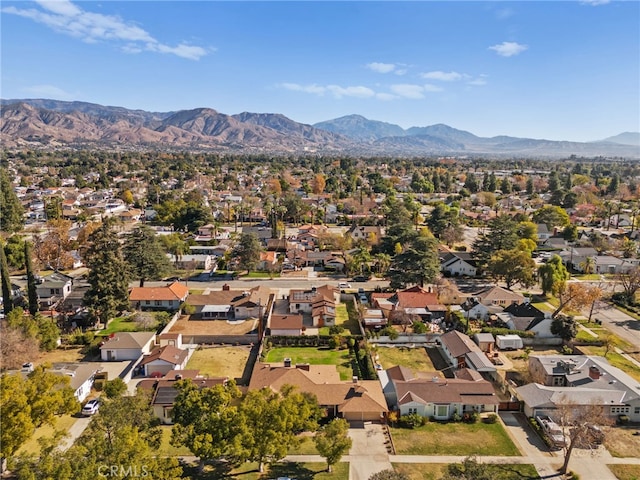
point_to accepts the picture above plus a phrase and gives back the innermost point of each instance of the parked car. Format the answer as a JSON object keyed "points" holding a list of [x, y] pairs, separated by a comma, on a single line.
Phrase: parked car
{"points": [[91, 407], [343, 285], [361, 278]]}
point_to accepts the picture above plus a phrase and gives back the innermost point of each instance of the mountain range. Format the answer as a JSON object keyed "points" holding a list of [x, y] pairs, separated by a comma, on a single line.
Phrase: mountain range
{"points": [[42, 123]]}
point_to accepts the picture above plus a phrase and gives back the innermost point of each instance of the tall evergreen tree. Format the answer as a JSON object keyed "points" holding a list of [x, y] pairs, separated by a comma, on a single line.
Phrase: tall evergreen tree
{"points": [[11, 210], [145, 255], [32, 292], [6, 283], [108, 290]]}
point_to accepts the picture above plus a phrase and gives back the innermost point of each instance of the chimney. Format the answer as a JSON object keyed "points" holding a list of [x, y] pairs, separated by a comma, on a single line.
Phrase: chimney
{"points": [[226, 287], [354, 379], [303, 366], [594, 372], [287, 362], [178, 376], [434, 379]]}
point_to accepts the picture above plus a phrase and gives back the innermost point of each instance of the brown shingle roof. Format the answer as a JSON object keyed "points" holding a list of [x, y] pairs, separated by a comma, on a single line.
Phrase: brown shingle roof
{"points": [[175, 291], [168, 353], [446, 391]]}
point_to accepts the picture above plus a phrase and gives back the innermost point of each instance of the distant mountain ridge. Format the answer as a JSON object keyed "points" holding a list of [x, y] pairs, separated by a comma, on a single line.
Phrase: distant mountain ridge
{"points": [[44, 123]]}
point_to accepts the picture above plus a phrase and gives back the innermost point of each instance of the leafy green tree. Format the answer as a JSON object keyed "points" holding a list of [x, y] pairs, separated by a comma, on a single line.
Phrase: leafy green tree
{"points": [[570, 233], [469, 469], [270, 422], [565, 327], [12, 217], [553, 275], [388, 475], [332, 441], [114, 388], [502, 234], [551, 216], [108, 291], [471, 183], [6, 283], [32, 289], [248, 251], [205, 419], [30, 402], [48, 333], [416, 264], [512, 267], [14, 250], [441, 217], [145, 255]]}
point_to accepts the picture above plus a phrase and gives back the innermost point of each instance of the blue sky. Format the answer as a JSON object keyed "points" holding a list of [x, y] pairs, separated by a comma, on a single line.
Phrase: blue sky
{"points": [[539, 69]]}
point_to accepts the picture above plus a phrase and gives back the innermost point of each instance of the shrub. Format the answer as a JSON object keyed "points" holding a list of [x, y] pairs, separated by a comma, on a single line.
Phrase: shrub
{"points": [[491, 418], [413, 420], [456, 417], [336, 329]]}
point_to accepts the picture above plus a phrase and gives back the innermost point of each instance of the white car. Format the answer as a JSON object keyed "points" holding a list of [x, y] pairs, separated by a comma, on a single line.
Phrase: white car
{"points": [[91, 407], [344, 285]]}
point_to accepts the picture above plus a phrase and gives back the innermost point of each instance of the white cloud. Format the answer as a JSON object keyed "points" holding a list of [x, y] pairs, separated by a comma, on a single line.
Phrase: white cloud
{"points": [[406, 90], [386, 96], [381, 67], [66, 18], [443, 76], [508, 49], [432, 88], [400, 71], [479, 81], [595, 3], [335, 90], [48, 91]]}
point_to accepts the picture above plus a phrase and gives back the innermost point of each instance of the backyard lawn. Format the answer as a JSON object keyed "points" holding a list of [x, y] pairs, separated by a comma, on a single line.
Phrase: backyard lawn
{"points": [[621, 441], [166, 449], [454, 439], [314, 356], [220, 361], [120, 324], [435, 471], [416, 359]]}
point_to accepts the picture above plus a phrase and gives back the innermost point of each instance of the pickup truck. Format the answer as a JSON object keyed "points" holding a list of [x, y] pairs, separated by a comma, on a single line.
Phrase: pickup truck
{"points": [[552, 431]]}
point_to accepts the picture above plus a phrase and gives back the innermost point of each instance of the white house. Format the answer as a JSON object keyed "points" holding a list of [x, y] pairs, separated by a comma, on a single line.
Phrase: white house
{"points": [[81, 376], [458, 264], [169, 297], [290, 324], [54, 287], [127, 346]]}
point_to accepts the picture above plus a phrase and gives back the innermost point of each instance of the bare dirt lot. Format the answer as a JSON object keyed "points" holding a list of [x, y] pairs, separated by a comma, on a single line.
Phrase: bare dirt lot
{"points": [[220, 361], [213, 327], [622, 441]]}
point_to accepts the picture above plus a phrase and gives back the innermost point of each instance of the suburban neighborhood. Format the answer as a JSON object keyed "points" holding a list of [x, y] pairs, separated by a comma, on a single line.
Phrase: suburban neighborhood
{"points": [[319, 318]]}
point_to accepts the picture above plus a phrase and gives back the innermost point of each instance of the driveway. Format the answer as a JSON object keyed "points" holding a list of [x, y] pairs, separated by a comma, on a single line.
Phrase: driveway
{"points": [[368, 454]]}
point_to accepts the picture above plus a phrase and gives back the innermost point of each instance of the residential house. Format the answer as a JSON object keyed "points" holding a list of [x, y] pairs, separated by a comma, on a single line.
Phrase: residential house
{"points": [[414, 301], [193, 262], [442, 398], [579, 380], [164, 393], [370, 234], [527, 318], [458, 264], [290, 324], [173, 339], [227, 304], [473, 309], [356, 400], [168, 298], [496, 295], [162, 360], [373, 318], [543, 233], [127, 346], [268, 261], [302, 300], [81, 376], [53, 289], [461, 352]]}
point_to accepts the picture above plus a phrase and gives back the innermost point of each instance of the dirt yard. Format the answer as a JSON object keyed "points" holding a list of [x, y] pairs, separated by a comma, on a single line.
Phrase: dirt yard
{"points": [[220, 361], [213, 327], [621, 441]]}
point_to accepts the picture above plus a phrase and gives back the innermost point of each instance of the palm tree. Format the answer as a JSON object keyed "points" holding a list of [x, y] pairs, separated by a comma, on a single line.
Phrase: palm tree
{"points": [[588, 265]]}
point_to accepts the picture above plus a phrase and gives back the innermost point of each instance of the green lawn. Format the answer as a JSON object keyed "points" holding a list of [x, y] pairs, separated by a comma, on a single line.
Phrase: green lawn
{"points": [[625, 472], [294, 470], [435, 471], [342, 318], [166, 449], [587, 276], [261, 275], [63, 422], [416, 359], [316, 356], [454, 439], [120, 324], [543, 306], [305, 447]]}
